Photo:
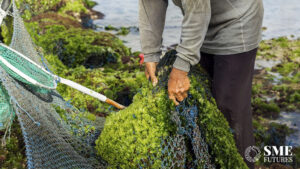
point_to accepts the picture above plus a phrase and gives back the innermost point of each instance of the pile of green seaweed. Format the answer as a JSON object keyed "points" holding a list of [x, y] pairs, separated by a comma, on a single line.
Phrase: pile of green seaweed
{"points": [[135, 136]]}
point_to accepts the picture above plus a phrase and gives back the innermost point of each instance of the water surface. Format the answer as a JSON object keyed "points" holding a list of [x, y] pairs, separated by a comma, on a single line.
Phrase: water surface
{"points": [[282, 18]]}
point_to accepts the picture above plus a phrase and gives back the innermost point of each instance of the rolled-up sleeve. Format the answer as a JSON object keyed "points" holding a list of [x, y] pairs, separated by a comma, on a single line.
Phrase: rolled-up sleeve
{"points": [[197, 14], [152, 14]]}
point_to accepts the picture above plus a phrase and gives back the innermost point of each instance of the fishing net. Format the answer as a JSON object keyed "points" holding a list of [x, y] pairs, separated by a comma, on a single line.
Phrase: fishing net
{"points": [[150, 133], [28, 69], [6, 113], [52, 141]]}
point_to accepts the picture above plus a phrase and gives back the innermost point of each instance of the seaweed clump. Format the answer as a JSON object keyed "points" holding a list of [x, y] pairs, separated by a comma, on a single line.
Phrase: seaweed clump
{"points": [[137, 136], [78, 9], [73, 45], [12, 152]]}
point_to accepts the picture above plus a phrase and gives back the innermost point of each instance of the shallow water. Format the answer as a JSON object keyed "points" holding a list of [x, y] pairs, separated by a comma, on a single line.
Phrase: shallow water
{"points": [[292, 120], [281, 19]]}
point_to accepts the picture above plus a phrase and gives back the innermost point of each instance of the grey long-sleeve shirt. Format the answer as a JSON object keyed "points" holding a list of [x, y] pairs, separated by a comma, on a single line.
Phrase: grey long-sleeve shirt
{"points": [[213, 26]]}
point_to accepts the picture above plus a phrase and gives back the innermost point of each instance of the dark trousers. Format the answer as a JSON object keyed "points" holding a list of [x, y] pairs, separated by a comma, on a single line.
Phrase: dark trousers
{"points": [[231, 86]]}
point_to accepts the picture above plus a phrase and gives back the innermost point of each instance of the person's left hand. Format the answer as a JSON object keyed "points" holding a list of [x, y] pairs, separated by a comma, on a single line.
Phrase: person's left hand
{"points": [[178, 85]]}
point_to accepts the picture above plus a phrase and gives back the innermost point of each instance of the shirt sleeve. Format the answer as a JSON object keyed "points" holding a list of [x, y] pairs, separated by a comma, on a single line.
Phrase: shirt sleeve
{"points": [[152, 14], [197, 14]]}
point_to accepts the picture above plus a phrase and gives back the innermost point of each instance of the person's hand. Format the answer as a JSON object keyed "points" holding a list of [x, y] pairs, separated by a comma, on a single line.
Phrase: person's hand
{"points": [[150, 68], [178, 85]]}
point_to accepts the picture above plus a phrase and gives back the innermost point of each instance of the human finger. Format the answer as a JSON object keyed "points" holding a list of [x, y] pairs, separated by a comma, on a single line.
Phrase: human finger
{"points": [[172, 97]]}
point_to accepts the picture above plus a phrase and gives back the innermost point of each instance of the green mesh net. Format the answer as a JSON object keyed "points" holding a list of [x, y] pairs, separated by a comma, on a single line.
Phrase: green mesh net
{"points": [[28, 68], [6, 111]]}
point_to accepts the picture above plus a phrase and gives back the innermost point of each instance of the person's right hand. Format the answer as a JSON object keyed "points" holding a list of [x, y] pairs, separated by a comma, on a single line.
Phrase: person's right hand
{"points": [[150, 68]]}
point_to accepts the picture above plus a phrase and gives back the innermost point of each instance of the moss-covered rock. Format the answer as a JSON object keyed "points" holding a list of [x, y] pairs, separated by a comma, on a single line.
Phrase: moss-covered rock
{"points": [[76, 46], [75, 8], [45, 20]]}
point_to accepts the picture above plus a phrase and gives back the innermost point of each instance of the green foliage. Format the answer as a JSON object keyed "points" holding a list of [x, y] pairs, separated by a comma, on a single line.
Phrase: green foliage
{"points": [[120, 31], [123, 31], [76, 46], [90, 4], [7, 30], [62, 6], [116, 84], [135, 133], [111, 28], [68, 47], [264, 108], [75, 120], [289, 98], [267, 133], [296, 151], [75, 6], [283, 89], [12, 153], [215, 126], [38, 7]]}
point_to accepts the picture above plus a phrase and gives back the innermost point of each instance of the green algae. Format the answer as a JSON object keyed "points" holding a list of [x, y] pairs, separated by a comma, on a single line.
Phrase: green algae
{"points": [[67, 47], [76, 46], [120, 31], [215, 126], [276, 89], [74, 8], [120, 85], [296, 151], [265, 109], [12, 153], [267, 133], [136, 133], [6, 30], [283, 82]]}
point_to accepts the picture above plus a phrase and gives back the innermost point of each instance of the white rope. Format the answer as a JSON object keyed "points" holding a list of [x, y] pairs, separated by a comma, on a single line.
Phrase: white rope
{"points": [[2, 15]]}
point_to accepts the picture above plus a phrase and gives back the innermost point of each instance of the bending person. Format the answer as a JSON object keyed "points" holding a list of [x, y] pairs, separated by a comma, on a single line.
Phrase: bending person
{"points": [[223, 36]]}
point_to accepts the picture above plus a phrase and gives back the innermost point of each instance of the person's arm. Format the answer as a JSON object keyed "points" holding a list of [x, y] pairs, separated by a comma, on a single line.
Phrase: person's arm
{"points": [[197, 14], [152, 14]]}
